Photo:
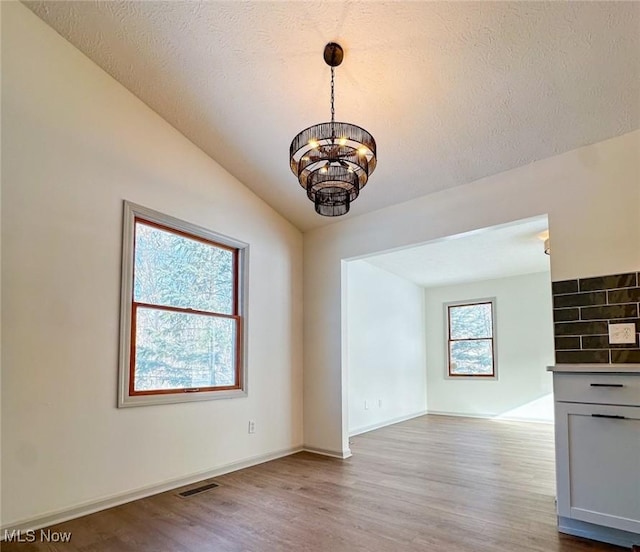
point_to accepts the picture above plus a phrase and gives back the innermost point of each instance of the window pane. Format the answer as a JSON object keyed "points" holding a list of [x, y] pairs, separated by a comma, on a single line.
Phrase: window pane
{"points": [[471, 357], [177, 350], [470, 321], [176, 271]]}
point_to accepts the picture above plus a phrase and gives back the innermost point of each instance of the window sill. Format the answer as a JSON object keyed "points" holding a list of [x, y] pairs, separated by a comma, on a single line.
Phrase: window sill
{"points": [[126, 400]]}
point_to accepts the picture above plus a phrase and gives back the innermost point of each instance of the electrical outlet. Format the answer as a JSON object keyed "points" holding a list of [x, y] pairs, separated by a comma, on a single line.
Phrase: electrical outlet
{"points": [[622, 333], [252, 426], [366, 405], [379, 403]]}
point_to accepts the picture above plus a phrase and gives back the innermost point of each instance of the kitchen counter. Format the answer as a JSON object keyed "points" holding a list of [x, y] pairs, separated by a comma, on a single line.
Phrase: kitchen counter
{"points": [[596, 368]]}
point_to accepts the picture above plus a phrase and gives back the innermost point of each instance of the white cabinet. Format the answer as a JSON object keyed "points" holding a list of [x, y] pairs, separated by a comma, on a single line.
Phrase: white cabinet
{"points": [[598, 464], [598, 454]]}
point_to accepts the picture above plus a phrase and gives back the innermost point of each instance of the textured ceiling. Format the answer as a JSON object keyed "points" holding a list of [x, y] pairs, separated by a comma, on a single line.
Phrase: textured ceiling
{"points": [[498, 252], [452, 91]]}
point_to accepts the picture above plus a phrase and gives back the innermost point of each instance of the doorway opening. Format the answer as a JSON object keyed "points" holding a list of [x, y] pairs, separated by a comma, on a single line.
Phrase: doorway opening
{"points": [[410, 353]]}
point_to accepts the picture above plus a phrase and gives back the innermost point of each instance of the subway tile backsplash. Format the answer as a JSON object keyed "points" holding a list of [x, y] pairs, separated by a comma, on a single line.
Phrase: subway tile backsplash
{"points": [[609, 312], [582, 311], [609, 282], [582, 357], [599, 327]]}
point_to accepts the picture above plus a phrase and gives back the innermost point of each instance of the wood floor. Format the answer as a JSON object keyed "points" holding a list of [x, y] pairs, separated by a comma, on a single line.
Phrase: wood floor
{"points": [[432, 484]]}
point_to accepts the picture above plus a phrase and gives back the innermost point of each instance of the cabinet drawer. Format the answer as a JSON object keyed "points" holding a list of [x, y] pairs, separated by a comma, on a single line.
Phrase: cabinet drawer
{"points": [[597, 388]]}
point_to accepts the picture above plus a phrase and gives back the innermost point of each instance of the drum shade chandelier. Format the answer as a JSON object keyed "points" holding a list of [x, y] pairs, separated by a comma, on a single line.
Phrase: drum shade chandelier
{"points": [[333, 160]]}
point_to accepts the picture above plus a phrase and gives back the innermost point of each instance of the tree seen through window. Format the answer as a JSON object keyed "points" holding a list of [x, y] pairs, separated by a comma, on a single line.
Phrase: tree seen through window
{"points": [[471, 339], [184, 303]]}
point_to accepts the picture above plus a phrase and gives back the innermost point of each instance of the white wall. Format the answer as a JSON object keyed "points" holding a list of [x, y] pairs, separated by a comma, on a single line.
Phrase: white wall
{"points": [[524, 348], [386, 347], [75, 144], [592, 197]]}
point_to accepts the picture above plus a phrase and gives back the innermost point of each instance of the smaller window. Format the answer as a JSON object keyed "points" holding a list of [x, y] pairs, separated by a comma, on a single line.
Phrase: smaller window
{"points": [[471, 339]]}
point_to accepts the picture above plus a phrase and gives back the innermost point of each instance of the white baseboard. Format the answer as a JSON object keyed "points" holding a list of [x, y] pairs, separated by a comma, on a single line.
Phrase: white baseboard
{"points": [[342, 455], [386, 423], [93, 506], [597, 532], [489, 417]]}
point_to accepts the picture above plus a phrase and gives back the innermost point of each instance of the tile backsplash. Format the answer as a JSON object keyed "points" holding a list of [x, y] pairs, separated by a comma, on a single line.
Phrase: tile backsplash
{"points": [[582, 312]]}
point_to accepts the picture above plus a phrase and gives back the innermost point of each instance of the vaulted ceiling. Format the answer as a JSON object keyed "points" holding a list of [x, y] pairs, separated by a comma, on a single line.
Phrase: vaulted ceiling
{"points": [[452, 91]]}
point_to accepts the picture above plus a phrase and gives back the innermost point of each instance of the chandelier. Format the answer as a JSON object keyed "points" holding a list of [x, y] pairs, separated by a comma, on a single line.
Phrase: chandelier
{"points": [[333, 160]]}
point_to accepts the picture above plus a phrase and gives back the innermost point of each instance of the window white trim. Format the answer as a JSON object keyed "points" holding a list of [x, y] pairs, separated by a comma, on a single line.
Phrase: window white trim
{"points": [[494, 329], [131, 211]]}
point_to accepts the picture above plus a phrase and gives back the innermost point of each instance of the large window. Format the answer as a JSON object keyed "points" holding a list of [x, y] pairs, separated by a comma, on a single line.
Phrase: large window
{"points": [[471, 339], [183, 317]]}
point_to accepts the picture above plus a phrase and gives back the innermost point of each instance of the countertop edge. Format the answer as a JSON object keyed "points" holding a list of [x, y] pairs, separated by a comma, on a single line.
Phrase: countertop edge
{"points": [[596, 368]]}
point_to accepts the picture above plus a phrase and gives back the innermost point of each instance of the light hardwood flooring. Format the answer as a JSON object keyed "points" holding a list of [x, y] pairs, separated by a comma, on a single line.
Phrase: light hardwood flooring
{"points": [[431, 484]]}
